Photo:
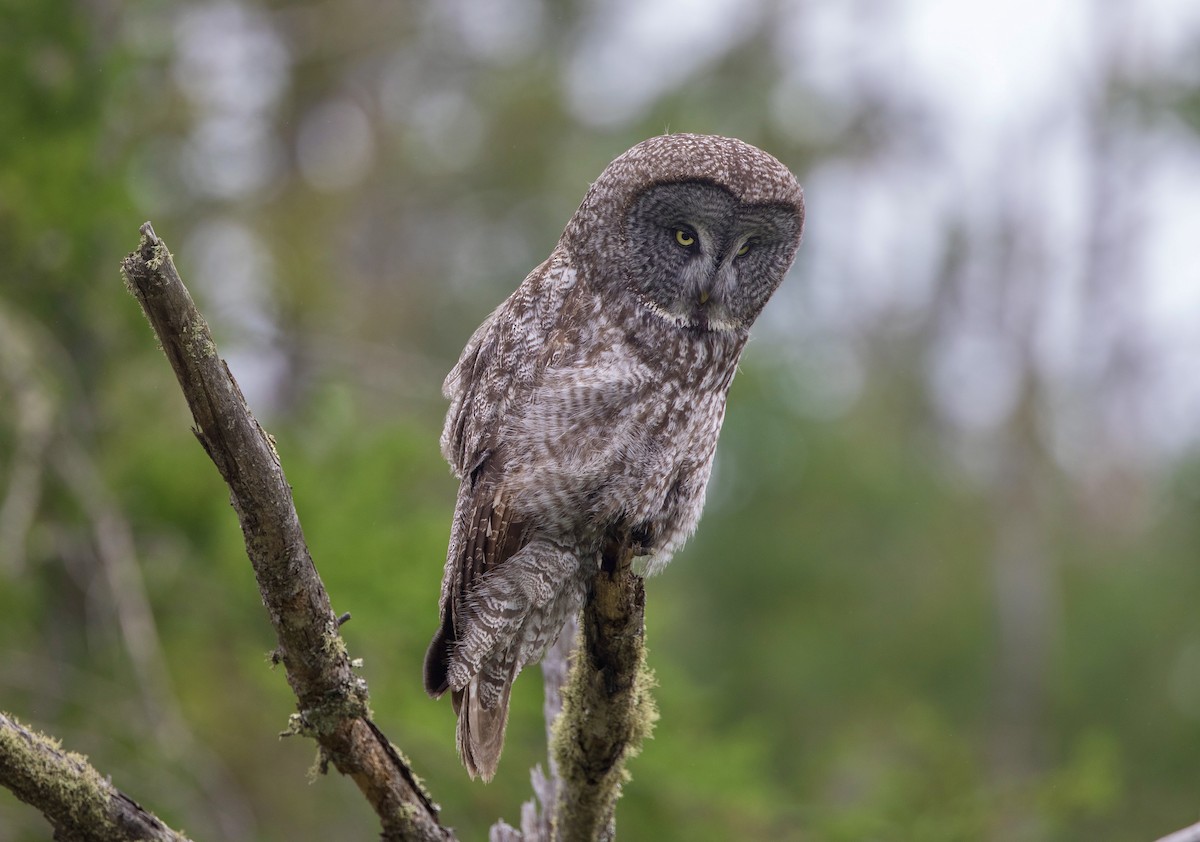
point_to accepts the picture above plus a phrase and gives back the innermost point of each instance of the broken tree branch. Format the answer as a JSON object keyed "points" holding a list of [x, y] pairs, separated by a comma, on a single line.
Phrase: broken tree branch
{"points": [[332, 700]]}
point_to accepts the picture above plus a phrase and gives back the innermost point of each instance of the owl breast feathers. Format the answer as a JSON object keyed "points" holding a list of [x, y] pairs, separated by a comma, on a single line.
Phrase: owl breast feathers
{"points": [[586, 408]]}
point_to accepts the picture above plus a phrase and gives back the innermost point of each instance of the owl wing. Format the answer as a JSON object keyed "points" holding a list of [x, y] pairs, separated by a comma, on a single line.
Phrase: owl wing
{"points": [[495, 374], [500, 364]]}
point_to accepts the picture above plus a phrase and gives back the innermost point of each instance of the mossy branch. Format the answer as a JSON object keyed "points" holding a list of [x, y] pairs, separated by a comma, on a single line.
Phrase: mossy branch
{"points": [[607, 710], [81, 804], [598, 711], [332, 700]]}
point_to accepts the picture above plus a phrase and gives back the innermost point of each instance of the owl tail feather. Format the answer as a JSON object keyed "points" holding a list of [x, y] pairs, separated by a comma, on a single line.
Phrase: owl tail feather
{"points": [[481, 729]]}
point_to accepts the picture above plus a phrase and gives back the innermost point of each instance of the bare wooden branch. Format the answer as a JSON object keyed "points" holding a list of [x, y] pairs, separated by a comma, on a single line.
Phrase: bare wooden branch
{"points": [[80, 803], [332, 700]]}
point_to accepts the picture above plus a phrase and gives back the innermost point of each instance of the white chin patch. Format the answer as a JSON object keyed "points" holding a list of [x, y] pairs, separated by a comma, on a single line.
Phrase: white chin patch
{"points": [[714, 319]]}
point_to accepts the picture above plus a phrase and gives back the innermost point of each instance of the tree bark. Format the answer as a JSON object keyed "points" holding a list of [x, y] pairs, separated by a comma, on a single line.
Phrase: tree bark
{"points": [[332, 700]]}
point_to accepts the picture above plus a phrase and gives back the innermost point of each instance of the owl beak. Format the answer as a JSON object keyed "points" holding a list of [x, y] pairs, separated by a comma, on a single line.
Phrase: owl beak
{"points": [[703, 296]]}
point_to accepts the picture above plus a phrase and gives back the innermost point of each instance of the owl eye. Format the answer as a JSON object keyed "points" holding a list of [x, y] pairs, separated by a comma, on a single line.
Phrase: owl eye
{"points": [[685, 238], [744, 250]]}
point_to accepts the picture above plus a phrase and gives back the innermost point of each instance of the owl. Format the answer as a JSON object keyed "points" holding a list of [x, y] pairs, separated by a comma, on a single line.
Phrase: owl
{"points": [[586, 407]]}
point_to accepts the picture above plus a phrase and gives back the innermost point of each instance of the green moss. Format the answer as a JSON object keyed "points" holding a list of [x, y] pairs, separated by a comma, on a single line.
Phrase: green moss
{"points": [[319, 767], [160, 253], [592, 719], [296, 727], [645, 712], [199, 339], [335, 646], [63, 785], [128, 281], [324, 718], [407, 814], [417, 781]]}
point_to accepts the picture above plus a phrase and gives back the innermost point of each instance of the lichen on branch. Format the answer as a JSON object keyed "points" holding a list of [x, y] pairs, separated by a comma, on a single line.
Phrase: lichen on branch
{"points": [[77, 801]]}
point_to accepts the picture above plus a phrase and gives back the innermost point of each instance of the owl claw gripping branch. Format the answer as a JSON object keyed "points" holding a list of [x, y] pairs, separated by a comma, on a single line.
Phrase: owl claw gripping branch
{"points": [[588, 404]]}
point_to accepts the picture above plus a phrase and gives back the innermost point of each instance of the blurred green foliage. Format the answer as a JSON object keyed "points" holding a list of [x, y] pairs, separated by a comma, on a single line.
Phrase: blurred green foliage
{"points": [[829, 648]]}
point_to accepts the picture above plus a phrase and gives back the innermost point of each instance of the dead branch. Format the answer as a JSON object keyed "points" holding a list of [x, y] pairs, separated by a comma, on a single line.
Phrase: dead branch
{"points": [[80, 803], [332, 700]]}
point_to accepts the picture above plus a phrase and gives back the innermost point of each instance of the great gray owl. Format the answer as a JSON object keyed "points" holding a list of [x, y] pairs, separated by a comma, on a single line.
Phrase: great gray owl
{"points": [[588, 404]]}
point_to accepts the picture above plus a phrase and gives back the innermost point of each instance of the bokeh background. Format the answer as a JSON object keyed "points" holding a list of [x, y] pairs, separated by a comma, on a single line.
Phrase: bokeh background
{"points": [[947, 584]]}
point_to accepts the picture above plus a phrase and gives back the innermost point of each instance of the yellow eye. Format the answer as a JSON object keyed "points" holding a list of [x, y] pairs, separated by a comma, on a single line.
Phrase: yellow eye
{"points": [[744, 250], [684, 238]]}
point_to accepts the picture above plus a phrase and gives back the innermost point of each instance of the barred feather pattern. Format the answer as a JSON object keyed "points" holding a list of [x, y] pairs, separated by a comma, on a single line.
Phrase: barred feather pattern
{"points": [[588, 404]]}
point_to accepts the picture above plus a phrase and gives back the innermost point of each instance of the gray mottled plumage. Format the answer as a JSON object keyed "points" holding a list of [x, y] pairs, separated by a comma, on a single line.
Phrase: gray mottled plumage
{"points": [[587, 405]]}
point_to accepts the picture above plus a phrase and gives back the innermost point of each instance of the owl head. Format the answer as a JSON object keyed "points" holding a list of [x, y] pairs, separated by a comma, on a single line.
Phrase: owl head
{"points": [[699, 229]]}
